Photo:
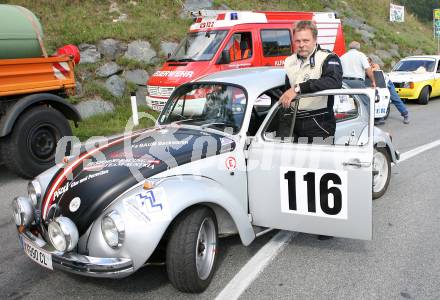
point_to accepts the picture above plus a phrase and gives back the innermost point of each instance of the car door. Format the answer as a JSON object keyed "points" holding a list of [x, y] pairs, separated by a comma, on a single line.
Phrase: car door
{"points": [[436, 87], [319, 188]]}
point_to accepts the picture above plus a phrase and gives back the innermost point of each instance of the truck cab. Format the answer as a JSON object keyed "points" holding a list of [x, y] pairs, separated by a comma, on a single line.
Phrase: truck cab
{"points": [[225, 40]]}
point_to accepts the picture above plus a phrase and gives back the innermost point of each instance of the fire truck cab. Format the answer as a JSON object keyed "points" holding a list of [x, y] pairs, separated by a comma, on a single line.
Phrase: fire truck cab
{"points": [[224, 40]]}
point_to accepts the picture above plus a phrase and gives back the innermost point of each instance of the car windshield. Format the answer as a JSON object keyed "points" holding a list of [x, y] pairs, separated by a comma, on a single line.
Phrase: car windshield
{"points": [[415, 66], [217, 106], [199, 46]]}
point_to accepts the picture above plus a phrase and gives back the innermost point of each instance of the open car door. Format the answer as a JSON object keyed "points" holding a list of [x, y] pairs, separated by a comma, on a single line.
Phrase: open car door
{"points": [[320, 188]]}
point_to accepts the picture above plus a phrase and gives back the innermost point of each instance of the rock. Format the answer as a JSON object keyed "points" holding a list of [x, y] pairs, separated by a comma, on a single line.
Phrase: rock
{"points": [[394, 52], [138, 76], [354, 23], [376, 59], [418, 52], [121, 18], [140, 51], [383, 54], [90, 54], [115, 85], [108, 69], [366, 36], [367, 28], [113, 8], [194, 5], [111, 49], [93, 107], [168, 47], [78, 88], [85, 46]]}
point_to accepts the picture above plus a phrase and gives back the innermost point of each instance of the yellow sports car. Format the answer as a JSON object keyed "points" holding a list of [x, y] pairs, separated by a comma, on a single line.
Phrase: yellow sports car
{"points": [[417, 78]]}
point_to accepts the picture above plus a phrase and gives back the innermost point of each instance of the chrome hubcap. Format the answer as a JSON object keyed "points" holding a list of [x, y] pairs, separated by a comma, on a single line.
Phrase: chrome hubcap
{"points": [[205, 248], [380, 171]]}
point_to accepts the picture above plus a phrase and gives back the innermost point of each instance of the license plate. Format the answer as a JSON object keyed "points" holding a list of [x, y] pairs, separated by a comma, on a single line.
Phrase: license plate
{"points": [[38, 255], [157, 107]]}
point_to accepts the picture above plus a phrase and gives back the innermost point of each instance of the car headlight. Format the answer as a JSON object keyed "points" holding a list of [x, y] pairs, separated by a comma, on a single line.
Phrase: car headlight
{"points": [[23, 211], [408, 85], [63, 234], [113, 229], [34, 191]]}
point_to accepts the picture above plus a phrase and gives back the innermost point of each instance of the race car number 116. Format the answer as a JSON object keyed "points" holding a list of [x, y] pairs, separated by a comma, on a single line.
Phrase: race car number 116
{"points": [[314, 192]]}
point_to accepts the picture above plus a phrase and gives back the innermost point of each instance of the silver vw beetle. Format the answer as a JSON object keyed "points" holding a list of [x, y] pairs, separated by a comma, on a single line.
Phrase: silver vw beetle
{"points": [[221, 160]]}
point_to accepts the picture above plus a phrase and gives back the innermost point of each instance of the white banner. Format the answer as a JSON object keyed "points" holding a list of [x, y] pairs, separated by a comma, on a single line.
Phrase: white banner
{"points": [[397, 13]]}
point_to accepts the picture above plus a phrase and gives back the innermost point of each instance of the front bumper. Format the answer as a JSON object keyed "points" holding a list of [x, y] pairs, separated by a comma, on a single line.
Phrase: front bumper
{"points": [[81, 264], [406, 93]]}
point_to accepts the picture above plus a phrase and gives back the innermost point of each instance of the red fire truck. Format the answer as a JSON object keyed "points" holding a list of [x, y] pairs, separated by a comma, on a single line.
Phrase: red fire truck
{"points": [[223, 40]]}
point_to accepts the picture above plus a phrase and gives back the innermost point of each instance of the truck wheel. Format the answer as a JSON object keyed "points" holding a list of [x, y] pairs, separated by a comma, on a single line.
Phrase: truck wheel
{"points": [[424, 96], [381, 171], [192, 249], [30, 148]]}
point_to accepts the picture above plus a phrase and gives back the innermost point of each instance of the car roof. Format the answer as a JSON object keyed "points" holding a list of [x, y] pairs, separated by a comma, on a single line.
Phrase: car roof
{"points": [[255, 80], [422, 57]]}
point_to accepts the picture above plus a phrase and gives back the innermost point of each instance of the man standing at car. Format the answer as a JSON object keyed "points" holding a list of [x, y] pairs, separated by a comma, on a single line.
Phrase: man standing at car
{"points": [[311, 69], [355, 65]]}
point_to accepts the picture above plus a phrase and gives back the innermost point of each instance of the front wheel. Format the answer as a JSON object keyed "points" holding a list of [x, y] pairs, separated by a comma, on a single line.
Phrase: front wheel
{"points": [[381, 171], [424, 96], [192, 250]]}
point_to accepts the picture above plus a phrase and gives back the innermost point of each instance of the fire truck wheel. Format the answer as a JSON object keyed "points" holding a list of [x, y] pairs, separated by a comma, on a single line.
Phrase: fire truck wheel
{"points": [[192, 250], [30, 148]]}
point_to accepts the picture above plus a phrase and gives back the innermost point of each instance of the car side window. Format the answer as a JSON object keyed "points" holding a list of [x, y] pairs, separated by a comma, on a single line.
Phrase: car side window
{"points": [[438, 67], [261, 108], [380, 80], [350, 121], [240, 46], [276, 42]]}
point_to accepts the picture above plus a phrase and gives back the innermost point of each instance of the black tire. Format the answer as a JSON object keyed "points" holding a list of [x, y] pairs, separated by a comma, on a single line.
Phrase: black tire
{"points": [[388, 111], [382, 154], [183, 244], [30, 148], [424, 96]]}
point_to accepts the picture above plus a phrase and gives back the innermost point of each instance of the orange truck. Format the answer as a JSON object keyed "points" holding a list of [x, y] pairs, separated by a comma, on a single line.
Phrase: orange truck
{"points": [[34, 111], [34, 86]]}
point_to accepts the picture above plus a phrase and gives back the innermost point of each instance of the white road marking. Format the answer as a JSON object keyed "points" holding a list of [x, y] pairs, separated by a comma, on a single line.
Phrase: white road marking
{"points": [[268, 252], [411, 153], [256, 265]]}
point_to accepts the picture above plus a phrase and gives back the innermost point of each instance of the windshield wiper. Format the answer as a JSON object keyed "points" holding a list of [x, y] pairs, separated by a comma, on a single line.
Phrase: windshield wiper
{"points": [[185, 59], [218, 124]]}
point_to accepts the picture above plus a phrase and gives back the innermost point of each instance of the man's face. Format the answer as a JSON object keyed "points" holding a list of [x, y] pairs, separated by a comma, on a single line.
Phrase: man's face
{"points": [[304, 42]]}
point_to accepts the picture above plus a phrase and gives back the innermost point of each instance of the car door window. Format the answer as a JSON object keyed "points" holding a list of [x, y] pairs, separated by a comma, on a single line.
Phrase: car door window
{"points": [[351, 117]]}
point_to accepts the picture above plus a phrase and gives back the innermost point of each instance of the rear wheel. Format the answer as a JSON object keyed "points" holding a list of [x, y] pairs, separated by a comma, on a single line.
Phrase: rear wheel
{"points": [[381, 171], [424, 96], [388, 111], [30, 148], [192, 249]]}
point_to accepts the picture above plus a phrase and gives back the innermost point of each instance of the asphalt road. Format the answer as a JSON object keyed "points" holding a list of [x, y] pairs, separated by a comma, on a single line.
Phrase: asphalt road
{"points": [[401, 262]]}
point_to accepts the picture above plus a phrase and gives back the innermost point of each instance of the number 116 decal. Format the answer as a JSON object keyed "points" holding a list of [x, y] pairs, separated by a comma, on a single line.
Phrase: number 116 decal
{"points": [[314, 192]]}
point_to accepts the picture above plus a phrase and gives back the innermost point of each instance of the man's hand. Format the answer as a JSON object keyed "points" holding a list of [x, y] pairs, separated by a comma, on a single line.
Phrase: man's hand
{"points": [[287, 98], [373, 84]]}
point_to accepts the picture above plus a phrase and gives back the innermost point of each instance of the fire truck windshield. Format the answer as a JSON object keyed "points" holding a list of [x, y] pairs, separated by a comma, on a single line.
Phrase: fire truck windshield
{"points": [[199, 46]]}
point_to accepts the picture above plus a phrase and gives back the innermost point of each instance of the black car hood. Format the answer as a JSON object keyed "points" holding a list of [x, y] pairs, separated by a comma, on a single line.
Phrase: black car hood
{"points": [[98, 177]]}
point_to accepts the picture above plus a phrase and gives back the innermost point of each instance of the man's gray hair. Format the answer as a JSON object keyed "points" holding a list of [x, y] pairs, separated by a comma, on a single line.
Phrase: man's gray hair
{"points": [[306, 25], [355, 45]]}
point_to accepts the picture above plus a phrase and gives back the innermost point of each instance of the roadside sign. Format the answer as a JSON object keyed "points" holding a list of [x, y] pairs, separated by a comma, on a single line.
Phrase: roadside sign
{"points": [[436, 21]]}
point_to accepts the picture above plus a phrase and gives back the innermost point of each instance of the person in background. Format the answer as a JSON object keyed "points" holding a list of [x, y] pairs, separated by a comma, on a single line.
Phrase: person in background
{"points": [[394, 97], [355, 65]]}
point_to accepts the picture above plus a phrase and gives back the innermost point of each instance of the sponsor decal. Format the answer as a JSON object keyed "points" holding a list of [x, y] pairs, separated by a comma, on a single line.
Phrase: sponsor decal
{"points": [[231, 163], [123, 162], [177, 74], [61, 190], [75, 204], [159, 143], [150, 205]]}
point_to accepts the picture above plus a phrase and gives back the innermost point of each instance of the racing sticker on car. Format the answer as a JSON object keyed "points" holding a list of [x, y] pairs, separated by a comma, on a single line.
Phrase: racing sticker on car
{"points": [[150, 205], [314, 192]]}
